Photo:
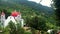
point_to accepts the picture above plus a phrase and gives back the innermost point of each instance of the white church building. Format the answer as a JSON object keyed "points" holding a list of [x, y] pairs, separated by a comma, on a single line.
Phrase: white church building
{"points": [[15, 17]]}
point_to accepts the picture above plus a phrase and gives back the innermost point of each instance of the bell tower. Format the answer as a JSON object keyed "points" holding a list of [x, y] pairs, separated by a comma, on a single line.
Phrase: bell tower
{"points": [[2, 18]]}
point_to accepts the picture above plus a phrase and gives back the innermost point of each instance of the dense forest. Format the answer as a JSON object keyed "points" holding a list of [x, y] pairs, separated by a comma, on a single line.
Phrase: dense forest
{"points": [[25, 7], [42, 17]]}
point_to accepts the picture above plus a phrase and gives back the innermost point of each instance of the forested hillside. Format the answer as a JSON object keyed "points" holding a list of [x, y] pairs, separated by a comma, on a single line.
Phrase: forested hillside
{"points": [[17, 4], [29, 9], [34, 14]]}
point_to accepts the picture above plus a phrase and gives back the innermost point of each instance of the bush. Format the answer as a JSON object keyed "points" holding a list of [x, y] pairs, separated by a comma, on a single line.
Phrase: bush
{"points": [[13, 29], [28, 33]]}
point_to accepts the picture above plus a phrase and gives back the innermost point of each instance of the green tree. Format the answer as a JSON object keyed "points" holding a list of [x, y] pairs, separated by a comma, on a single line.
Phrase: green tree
{"points": [[7, 13], [57, 11], [12, 28], [15, 28], [37, 23]]}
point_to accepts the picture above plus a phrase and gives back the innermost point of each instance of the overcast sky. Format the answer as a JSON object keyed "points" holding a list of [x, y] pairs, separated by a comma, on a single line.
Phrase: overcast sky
{"points": [[43, 2]]}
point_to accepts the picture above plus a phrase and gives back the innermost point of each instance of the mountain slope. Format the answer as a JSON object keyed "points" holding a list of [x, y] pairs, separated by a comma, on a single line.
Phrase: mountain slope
{"points": [[33, 5]]}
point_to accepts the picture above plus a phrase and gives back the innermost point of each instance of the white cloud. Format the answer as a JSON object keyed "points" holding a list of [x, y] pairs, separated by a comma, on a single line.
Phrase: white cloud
{"points": [[43, 2], [46, 3]]}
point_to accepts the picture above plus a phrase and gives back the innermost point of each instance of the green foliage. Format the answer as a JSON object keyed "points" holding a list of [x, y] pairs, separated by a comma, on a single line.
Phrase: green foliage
{"points": [[33, 30], [37, 23], [39, 19], [57, 6], [13, 29], [19, 29], [57, 11], [28, 33]]}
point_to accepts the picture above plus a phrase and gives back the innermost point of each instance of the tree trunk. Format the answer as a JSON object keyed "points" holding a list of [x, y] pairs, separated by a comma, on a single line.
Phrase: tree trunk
{"points": [[33, 30], [39, 32]]}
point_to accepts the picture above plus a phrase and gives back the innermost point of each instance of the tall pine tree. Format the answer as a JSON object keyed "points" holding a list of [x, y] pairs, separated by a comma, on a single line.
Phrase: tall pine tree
{"points": [[57, 11]]}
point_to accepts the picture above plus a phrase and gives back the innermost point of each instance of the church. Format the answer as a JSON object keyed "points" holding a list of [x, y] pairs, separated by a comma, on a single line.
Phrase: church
{"points": [[15, 17]]}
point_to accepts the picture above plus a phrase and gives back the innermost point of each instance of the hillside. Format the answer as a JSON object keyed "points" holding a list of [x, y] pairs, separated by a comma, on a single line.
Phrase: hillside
{"points": [[27, 8], [33, 5]]}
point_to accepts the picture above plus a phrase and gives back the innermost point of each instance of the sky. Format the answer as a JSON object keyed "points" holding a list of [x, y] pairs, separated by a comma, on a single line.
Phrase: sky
{"points": [[43, 2]]}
